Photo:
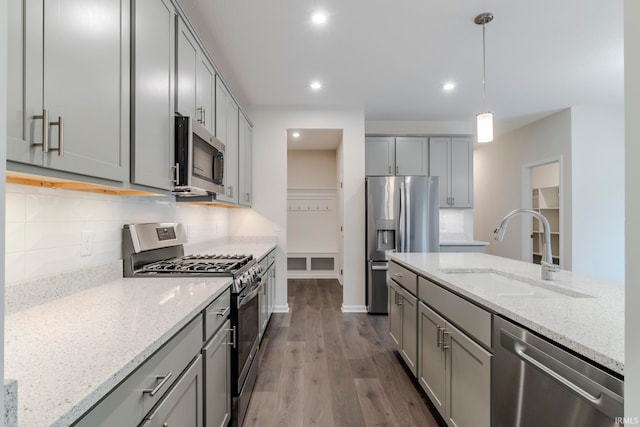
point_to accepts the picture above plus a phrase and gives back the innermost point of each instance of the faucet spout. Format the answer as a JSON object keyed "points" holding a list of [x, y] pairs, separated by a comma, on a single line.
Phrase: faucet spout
{"points": [[547, 265]]}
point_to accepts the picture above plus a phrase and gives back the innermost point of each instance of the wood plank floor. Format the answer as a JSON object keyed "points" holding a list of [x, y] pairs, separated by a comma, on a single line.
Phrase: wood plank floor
{"points": [[322, 367]]}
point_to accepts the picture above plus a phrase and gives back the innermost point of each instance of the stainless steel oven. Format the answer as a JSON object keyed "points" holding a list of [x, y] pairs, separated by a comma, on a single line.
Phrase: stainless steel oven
{"points": [[157, 250], [199, 159]]}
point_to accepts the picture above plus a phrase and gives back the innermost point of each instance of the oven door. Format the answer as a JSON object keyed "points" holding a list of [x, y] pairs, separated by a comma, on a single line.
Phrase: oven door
{"points": [[247, 330]]}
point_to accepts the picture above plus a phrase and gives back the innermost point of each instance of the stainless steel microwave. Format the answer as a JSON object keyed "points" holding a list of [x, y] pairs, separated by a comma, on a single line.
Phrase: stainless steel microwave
{"points": [[199, 159]]}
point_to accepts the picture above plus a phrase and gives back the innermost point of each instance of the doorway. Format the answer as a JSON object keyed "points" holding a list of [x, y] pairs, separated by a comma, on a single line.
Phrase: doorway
{"points": [[314, 221], [544, 193]]}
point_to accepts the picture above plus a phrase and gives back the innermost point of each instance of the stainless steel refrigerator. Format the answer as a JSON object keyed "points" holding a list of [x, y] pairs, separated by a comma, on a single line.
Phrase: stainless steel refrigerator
{"points": [[402, 216]]}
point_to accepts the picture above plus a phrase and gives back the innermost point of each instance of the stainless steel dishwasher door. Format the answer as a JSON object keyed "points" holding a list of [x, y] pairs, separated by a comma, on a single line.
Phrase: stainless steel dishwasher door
{"points": [[536, 383]]}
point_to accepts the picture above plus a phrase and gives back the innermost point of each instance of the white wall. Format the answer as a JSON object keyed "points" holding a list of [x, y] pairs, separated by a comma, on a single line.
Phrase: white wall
{"points": [[418, 127], [632, 172], [311, 169], [545, 175], [597, 150], [44, 227], [270, 188], [498, 169], [3, 150]]}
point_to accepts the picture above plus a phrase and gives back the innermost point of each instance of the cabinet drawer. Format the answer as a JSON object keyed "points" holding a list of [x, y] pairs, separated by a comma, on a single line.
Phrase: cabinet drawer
{"points": [[408, 279], [127, 404], [216, 314], [468, 316]]}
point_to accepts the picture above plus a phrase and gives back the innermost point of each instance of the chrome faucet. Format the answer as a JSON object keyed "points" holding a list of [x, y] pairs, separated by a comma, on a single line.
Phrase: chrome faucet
{"points": [[547, 265]]}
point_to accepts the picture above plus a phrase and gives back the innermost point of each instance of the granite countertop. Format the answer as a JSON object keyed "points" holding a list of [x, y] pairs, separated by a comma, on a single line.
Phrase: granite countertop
{"points": [[584, 314], [463, 243], [67, 353]]}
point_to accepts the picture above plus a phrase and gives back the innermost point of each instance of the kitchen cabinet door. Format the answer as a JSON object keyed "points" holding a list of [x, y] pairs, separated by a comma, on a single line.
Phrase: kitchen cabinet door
{"points": [[439, 163], [431, 365], [245, 162], [227, 132], [379, 155], [461, 183], [205, 93], [468, 382], [412, 156], [69, 80], [451, 159], [217, 379], [182, 405], [186, 65], [409, 342], [154, 103], [395, 312]]}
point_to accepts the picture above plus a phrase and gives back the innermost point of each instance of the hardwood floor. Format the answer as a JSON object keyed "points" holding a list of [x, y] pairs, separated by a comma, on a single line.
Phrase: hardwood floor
{"points": [[322, 367]]}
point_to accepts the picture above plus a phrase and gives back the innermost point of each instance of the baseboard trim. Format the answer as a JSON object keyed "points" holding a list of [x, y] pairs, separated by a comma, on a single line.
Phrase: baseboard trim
{"points": [[281, 308], [354, 308]]}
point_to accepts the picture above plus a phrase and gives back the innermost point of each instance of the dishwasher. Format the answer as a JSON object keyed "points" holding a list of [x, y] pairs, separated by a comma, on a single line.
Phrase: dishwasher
{"points": [[536, 383]]}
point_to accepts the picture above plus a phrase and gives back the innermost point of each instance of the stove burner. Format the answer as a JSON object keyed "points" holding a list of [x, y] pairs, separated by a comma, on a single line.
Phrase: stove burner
{"points": [[202, 263]]}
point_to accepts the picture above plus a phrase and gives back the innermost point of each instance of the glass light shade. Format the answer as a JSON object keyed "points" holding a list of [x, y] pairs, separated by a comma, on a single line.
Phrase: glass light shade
{"points": [[484, 127]]}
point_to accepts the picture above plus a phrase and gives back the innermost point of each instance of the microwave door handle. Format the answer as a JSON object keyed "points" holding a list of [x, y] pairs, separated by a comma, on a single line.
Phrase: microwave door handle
{"points": [[177, 178]]}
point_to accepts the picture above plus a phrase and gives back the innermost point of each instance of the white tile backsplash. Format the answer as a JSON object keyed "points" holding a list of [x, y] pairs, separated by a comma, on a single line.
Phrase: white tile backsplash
{"points": [[456, 224], [44, 227]]}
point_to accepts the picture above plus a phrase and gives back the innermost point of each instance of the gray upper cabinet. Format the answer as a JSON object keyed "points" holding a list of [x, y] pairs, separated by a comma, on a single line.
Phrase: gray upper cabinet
{"points": [[245, 162], [379, 156], [412, 156], [227, 132], [69, 86], [186, 65], [195, 79], [153, 93], [396, 156], [451, 159]]}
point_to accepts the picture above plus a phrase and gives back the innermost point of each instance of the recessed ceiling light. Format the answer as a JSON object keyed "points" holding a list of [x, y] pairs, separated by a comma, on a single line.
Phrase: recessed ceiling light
{"points": [[296, 134], [315, 85], [319, 18], [449, 86]]}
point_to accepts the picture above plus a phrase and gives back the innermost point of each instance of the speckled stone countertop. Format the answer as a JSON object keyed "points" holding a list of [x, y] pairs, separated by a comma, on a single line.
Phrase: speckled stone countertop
{"points": [[463, 243], [69, 352], [584, 314]]}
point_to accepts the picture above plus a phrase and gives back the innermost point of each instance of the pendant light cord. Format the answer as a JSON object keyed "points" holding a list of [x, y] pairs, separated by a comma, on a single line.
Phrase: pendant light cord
{"points": [[484, 70]]}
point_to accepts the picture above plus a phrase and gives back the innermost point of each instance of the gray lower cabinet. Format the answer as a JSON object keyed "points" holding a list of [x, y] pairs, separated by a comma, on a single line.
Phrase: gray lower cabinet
{"points": [[69, 86], [454, 371], [154, 28], [131, 401], [217, 378], [182, 405], [403, 326]]}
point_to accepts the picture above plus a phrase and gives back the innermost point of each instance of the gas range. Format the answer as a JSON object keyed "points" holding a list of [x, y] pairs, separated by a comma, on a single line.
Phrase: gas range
{"points": [[157, 249]]}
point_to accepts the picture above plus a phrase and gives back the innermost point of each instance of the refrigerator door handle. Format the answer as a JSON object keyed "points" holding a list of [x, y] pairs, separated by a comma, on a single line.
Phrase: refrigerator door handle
{"points": [[402, 222], [407, 196], [375, 267]]}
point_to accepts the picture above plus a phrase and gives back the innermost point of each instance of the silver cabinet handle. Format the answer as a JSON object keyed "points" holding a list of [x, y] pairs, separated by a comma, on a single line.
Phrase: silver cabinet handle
{"points": [[45, 131], [453, 201], [230, 188], [163, 380], [445, 334], [398, 275], [223, 313], [246, 197], [60, 124], [177, 178], [233, 342], [439, 336], [397, 170], [389, 169]]}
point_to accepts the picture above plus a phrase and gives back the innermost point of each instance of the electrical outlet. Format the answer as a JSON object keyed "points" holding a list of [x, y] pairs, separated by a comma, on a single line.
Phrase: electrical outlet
{"points": [[86, 243]]}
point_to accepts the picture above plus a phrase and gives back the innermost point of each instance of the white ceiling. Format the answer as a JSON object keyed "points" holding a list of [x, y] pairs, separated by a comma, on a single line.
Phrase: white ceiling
{"points": [[392, 57], [314, 139]]}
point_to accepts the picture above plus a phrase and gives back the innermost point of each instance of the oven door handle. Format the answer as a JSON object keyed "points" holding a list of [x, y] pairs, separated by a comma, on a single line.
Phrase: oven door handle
{"points": [[245, 299]]}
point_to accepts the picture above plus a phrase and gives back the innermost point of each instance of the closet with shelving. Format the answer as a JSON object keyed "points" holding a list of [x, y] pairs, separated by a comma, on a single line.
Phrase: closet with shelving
{"points": [[545, 198]]}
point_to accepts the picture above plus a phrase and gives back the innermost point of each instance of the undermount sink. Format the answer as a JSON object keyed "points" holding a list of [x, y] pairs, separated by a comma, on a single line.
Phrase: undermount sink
{"points": [[503, 284]]}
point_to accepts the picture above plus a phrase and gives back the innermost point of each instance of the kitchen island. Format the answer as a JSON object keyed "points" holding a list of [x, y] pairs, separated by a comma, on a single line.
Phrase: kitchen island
{"points": [[584, 314]]}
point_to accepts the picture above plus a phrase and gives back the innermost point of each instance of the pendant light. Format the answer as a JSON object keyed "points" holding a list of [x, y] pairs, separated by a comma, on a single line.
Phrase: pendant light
{"points": [[484, 120]]}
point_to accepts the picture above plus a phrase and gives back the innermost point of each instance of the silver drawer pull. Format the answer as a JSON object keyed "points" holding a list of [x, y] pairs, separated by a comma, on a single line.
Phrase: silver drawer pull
{"points": [[164, 378], [439, 336], [233, 330], [398, 275], [445, 334], [45, 130], [60, 124], [223, 313]]}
